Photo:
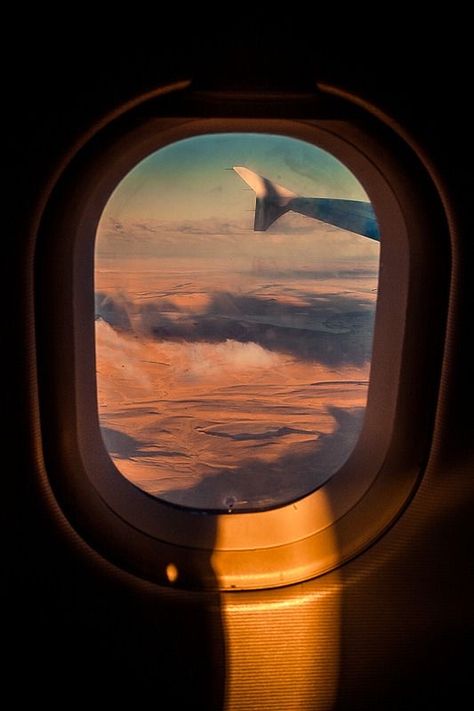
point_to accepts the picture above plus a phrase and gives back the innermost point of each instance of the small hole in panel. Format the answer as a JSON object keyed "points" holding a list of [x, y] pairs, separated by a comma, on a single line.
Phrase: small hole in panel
{"points": [[236, 281]]}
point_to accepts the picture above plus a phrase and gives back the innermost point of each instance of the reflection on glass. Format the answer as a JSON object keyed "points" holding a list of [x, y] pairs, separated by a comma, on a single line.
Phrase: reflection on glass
{"points": [[234, 320]]}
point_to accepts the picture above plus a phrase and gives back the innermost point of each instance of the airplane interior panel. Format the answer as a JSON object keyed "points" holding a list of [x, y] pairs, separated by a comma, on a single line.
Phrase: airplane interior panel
{"points": [[241, 449]]}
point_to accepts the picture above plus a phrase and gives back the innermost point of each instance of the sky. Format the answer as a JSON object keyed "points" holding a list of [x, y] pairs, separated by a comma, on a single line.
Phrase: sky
{"points": [[185, 200], [192, 172], [231, 362]]}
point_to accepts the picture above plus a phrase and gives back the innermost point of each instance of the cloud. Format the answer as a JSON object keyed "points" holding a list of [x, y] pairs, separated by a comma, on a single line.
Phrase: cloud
{"points": [[113, 310], [333, 329], [125, 353], [206, 225], [123, 446], [292, 236], [204, 359], [120, 355], [258, 484]]}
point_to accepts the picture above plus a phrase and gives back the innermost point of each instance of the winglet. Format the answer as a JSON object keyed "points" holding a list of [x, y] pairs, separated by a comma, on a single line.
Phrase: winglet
{"points": [[272, 200]]}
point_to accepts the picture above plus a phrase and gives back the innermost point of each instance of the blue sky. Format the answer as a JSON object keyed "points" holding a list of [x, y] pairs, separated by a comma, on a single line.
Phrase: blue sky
{"points": [[188, 179], [185, 201]]}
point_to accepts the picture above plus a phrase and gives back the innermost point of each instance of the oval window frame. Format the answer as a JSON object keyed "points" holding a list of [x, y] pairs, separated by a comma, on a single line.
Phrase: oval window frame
{"points": [[281, 545]]}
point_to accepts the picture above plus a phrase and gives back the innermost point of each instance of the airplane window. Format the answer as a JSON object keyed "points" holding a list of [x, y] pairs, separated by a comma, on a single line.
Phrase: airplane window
{"points": [[235, 284]]}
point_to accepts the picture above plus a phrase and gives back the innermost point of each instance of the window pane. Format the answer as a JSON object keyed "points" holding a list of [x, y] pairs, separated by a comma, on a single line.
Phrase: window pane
{"points": [[236, 279]]}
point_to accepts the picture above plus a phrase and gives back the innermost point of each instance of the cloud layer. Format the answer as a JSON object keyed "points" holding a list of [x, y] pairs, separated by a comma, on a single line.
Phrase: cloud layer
{"points": [[335, 329], [292, 237], [224, 385]]}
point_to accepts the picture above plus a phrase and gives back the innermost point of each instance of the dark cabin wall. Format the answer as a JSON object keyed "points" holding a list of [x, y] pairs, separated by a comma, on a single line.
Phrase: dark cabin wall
{"points": [[71, 625]]}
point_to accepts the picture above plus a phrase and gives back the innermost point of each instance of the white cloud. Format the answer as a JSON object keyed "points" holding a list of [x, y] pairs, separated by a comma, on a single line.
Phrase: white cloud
{"points": [[206, 358], [128, 357]]}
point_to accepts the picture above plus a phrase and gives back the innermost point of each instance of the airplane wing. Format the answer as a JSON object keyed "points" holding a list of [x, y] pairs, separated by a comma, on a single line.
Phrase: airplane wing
{"points": [[273, 201]]}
